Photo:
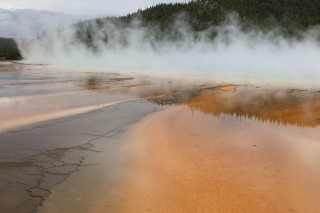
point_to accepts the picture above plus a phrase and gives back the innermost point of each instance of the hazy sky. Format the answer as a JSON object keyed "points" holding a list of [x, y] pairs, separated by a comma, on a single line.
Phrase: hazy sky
{"points": [[86, 7], [26, 18]]}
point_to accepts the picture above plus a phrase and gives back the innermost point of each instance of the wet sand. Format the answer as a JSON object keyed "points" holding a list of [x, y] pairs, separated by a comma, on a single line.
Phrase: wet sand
{"points": [[33, 93], [249, 150], [186, 161], [201, 156], [81, 143]]}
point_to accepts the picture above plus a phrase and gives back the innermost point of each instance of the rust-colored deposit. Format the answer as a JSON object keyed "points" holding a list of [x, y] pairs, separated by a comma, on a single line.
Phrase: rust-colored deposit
{"points": [[295, 108], [183, 161], [230, 87], [121, 79], [94, 84], [136, 85], [12, 67]]}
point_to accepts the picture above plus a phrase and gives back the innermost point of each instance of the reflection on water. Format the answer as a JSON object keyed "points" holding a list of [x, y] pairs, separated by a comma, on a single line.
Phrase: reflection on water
{"points": [[284, 106], [299, 108], [138, 86], [27, 80], [189, 162], [279, 106], [262, 164], [37, 93]]}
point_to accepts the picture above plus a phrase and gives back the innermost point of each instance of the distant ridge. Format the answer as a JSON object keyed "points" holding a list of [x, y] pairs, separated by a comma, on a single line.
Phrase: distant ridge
{"points": [[266, 14], [289, 17]]}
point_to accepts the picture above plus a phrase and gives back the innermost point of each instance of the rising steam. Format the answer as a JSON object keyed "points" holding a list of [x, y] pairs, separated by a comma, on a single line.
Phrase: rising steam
{"points": [[232, 53]]}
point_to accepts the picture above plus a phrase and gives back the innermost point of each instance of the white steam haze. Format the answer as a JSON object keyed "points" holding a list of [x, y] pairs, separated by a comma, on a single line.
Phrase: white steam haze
{"points": [[232, 53], [27, 23]]}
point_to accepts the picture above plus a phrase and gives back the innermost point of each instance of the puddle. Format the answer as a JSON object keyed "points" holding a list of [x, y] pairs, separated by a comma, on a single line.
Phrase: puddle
{"points": [[298, 108]]}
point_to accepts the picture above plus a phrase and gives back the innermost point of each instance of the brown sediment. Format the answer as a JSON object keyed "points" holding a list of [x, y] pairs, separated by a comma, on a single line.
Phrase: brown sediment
{"points": [[210, 154], [183, 161], [95, 82], [12, 166], [300, 109], [230, 87], [121, 79], [9, 67], [95, 85], [61, 98], [296, 90], [99, 84], [136, 85]]}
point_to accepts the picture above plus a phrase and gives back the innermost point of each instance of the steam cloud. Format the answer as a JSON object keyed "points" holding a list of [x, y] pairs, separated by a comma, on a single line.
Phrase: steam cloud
{"points": [[233, 53]]}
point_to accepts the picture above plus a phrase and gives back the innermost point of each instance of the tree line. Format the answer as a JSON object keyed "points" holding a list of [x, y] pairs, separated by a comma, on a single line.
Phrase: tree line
{"points": [[290, 17], [9, 49]]}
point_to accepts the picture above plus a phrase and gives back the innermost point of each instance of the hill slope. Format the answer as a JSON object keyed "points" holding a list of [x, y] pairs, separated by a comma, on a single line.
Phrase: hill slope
{"points": [[289, 17], [288, 14]]}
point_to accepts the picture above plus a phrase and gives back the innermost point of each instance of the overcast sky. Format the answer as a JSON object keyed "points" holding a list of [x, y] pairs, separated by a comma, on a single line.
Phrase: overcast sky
{"points": [[84, 7], [27, 18], [21, 23]]}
